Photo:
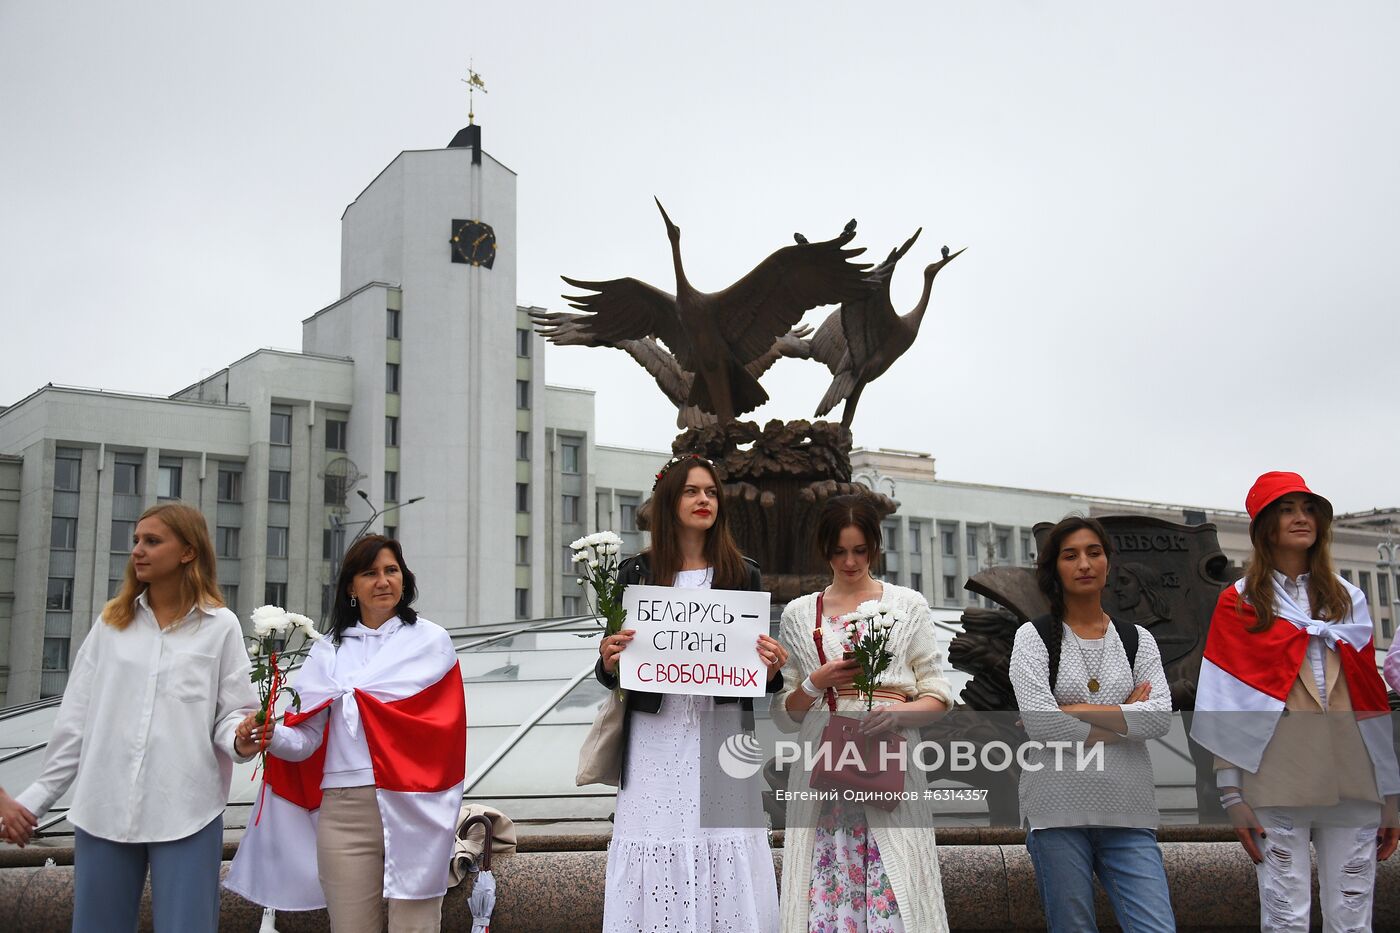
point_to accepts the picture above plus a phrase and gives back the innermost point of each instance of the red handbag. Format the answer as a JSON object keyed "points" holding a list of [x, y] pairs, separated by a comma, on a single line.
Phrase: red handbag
{"points": [[875, 766]]}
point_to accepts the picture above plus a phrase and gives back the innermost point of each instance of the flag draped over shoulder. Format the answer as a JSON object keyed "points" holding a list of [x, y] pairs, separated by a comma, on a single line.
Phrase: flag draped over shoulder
{"points": [[409, 701], [1246, 677]]}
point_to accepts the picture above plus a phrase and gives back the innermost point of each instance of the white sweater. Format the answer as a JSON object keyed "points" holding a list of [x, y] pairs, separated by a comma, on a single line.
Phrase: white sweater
{"points": [[1122, 793], [905, 836]]}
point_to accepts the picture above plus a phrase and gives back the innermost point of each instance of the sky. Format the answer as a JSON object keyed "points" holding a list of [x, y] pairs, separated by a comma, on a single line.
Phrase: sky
{"points": [[1180, 219]]}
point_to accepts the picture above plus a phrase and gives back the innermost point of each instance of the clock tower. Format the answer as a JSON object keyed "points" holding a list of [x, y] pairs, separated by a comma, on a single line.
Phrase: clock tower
{"points": [[428, 314]]}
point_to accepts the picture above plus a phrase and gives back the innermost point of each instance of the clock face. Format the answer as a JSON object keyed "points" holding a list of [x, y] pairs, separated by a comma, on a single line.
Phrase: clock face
{"points": [[474, 242]]}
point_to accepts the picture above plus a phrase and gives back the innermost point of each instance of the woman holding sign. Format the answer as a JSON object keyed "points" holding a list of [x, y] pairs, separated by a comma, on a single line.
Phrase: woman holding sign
{"points": [[851, 866], [665, 870]]}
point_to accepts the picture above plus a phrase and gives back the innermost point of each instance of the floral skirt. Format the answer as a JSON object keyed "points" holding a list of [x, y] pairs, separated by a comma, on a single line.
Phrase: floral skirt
{"points": [[850, 891]]}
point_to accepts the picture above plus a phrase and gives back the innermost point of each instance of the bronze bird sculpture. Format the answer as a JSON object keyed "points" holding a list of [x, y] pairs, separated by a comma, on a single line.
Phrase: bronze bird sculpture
{"points": [[716, 335], [862, 340]]}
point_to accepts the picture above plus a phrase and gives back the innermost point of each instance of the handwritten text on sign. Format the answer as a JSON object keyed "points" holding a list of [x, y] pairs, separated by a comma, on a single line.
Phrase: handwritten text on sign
{"points": [[694, 641]]}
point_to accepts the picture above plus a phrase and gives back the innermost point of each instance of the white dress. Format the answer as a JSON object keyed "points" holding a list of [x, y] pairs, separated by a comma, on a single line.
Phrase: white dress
{"points": [[666, 872]]}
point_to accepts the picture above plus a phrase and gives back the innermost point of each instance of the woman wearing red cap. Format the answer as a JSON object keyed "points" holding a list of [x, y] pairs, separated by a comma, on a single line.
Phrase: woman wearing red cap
{"points": [[1293, 637]]}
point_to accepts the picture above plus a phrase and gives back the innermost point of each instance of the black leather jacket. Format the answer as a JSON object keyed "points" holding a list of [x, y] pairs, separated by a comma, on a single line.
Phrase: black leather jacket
{"points": [[638, 570]]}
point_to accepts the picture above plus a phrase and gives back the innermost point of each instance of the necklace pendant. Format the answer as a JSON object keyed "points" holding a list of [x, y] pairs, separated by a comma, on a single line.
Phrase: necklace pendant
{"points": [[1093, 685]]}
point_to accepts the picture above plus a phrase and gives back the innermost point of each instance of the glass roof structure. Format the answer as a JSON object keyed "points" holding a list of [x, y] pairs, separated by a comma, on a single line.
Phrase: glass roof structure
{"points": [[531, 698]]}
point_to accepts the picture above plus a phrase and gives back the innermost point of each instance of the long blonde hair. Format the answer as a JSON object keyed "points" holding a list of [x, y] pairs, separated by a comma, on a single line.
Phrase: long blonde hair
{"points": [[199, 581], [1328, 598]]}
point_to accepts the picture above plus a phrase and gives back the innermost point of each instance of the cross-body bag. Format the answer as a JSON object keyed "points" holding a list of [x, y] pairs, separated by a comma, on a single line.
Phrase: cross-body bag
{"points": [[849, 759]]}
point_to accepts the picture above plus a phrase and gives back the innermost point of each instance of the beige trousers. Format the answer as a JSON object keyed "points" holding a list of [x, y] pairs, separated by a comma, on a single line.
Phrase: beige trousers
{"points": [[350, 852]]}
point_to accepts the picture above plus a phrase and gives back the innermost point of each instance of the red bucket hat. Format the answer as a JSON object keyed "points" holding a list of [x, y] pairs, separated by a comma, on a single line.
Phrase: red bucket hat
{"points": [[1276, 485]]}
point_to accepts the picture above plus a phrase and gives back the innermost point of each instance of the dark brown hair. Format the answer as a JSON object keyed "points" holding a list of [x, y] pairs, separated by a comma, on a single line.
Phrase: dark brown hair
{"points": [[1047, 571], [361, 556], [729, 572], [1328, 598], [853, 511]]}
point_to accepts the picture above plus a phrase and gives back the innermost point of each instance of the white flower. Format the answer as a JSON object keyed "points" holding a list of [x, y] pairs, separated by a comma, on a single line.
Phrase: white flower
{"points": [[580, 557], [883, 609], [577, 543], [582, 581], [305, 626], [271, 620], [593, 564], [868, 609]]}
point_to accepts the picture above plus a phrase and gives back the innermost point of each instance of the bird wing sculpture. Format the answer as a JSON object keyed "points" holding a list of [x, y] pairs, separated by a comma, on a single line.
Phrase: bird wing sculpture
{"points": [[760, 307], [715, 335]]}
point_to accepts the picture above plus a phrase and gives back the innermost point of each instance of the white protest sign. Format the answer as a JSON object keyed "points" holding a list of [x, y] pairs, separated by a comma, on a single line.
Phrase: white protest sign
{"points": [[694, 641]]}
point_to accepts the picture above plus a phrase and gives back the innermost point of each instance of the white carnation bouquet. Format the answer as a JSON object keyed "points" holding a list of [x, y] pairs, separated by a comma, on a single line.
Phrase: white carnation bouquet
{"points": [[597, 557], [868, 632], [273, 628]]}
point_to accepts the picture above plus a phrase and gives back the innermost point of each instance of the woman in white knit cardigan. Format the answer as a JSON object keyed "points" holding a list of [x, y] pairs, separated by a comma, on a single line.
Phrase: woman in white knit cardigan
{"points": [[848, 866]]}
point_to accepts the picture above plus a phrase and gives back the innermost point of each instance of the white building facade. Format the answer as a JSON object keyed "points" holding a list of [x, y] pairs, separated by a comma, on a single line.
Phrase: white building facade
{"points": [[418, 407]]}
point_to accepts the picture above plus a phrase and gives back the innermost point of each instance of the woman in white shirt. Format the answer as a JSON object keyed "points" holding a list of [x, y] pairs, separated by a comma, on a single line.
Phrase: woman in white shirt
{"points": [[145, 735], [378, 753], [667, 869]]}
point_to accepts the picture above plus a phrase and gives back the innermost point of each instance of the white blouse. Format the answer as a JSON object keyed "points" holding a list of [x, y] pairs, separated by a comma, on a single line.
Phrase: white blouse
{"points": [[146, 727], [347, 752]]}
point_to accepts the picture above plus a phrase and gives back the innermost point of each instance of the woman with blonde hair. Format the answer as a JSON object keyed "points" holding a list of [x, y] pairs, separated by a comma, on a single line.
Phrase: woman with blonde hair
{"points": [[145, 734], [1294, 638]]}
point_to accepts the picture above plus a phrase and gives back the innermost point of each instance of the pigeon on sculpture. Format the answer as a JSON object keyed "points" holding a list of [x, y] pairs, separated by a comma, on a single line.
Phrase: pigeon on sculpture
{"points": [[716, 335], [862, 340], [945, 248]]}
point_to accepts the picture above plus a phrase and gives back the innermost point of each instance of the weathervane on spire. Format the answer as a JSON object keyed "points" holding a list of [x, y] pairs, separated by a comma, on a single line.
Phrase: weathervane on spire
{"points": [[474, 83]]}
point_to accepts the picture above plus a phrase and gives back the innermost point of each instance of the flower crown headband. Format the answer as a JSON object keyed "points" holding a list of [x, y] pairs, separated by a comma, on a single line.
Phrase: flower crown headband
{"points": [[683, 458]]}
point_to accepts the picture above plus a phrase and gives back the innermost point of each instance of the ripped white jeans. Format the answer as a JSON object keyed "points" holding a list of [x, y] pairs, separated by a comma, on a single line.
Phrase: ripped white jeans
{"points": [[1344, 837]]}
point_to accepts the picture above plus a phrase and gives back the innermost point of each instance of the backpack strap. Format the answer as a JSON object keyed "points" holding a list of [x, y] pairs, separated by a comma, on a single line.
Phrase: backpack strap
{"points": [[1128, 635], [1044, 625]]}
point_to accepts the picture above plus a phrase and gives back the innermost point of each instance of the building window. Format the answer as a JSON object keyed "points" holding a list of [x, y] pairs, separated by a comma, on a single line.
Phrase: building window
{"points": [[889, 534], [522, 603], [1346, 575], [522, 549], [279, 486], [391, 532], [230, 596], [522, 445], [568, 457], [916, 538], [274, 594], [522, 393], [1385, 627], [391, 431], [276, 541], [1003, 545], [522, 342], [126, 478], [113, 588], [950, 588], [332, 543], [336, 434], [63, 533], [391, 486], [55, 654], [391, 377], [1027, 548], [1364, 583], [1383, 589], [522, 497], [572, 605], [230, 485], [66, 471], [570, 510], [972, 542], [949, 539], [916, 581], [225, 541], [280, 432], [168, 482], [627, 512], [123, 536], [60, 595], [393, 324]]}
